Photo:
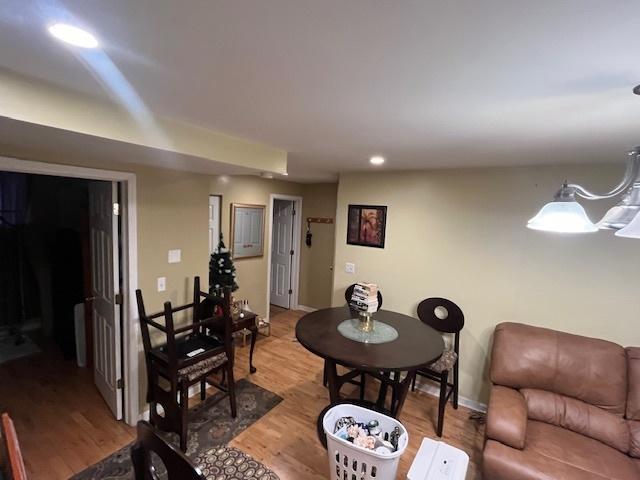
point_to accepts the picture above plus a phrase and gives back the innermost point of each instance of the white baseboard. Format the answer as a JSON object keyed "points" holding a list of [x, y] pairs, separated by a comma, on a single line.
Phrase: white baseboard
{"points": [[304, 308], [433, 390]]}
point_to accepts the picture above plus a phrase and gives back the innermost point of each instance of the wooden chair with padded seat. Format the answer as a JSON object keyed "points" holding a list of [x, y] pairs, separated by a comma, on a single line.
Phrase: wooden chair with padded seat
{"points": [[446, 317], [348, 293], [184, 357], [177, 464]]}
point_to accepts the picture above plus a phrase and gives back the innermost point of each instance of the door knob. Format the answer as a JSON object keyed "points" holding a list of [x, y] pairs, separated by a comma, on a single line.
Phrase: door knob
{"points": [[88, 299]]}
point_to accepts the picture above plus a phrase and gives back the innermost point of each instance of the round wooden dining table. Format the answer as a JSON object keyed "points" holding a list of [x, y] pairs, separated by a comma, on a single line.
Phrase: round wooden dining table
{"points": [[415, 345]]}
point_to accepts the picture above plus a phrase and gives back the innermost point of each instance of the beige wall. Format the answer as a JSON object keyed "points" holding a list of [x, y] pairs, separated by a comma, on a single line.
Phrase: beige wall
{"points": [[315, 283], [461, 234], [317, 260]]}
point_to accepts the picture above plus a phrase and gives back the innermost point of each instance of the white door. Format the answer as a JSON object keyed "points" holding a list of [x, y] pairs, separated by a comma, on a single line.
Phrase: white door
{"points": [[281, 253], [105, 277], [214, 222]]}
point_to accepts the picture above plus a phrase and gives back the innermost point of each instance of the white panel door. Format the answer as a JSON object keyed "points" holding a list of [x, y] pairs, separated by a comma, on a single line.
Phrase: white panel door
{"points": [[214, 222], [105, 276], [281, 257]]}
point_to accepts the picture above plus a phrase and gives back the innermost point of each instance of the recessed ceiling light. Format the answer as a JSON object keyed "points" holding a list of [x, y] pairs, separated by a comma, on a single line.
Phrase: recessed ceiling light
{"points": [[376, 160], [73, 35]]}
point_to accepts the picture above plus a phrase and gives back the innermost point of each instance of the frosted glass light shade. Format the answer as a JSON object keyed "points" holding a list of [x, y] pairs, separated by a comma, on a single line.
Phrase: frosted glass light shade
{"points": [[562, 217], [618, 217], [632, 230]]}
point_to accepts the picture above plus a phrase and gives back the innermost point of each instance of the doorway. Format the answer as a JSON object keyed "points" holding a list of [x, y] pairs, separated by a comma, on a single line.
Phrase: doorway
{"points": [[112, 275], [60, 279], [284, 255]]}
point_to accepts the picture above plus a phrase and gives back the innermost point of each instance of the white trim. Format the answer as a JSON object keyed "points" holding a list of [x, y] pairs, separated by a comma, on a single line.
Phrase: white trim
{"points": [[130, 329], [297, 245], [305, 308], [432, 390]]}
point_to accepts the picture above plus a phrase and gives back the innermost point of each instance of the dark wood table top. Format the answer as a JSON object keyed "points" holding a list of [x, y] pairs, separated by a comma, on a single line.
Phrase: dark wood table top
{"points": [[417, 344]]}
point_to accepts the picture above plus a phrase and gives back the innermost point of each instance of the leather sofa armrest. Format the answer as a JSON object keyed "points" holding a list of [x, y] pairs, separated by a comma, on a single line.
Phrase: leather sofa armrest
{"points": [[507, 417]]}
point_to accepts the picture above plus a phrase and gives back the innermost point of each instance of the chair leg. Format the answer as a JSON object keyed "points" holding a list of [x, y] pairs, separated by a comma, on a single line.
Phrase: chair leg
{"points": [[203, 389], [442, 403], [231, 386], [362, 386], [455, 386], [413, 383], [184, 415]]}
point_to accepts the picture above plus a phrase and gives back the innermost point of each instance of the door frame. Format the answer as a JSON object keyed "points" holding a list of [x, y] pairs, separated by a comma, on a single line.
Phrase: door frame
{"points": [[129, 256], [297, 243]]}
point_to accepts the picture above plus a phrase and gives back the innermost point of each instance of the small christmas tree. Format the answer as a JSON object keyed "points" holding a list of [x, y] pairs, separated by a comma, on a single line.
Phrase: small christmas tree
{"points": [[222, 272]]}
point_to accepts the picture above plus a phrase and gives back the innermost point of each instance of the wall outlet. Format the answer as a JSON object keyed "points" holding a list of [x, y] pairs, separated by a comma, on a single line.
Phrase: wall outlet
{"points": [[174, 256], [162, 284], [350, 267]]}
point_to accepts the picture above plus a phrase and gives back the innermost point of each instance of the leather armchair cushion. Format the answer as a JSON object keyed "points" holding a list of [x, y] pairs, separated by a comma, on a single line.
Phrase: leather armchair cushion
{"points": [[507, 417], [556, 453], [633, 397], [634, 442], [578, 417], [592, 370]]}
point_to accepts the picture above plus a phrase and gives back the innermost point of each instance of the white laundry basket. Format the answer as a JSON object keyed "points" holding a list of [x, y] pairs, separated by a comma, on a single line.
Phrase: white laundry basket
{"points": [[348, 462]]}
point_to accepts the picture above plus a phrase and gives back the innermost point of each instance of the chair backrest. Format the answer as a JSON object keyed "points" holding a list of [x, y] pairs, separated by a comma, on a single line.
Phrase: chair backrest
{"points": [[443, 315], [348, 293], [11, 462], [178, 465], [204, 316]]}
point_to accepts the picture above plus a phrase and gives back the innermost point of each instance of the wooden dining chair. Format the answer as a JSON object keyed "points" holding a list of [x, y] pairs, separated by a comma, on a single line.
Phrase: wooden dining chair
{"points": [[11, 462], [446, 317], [177, 464], [185, 356]]}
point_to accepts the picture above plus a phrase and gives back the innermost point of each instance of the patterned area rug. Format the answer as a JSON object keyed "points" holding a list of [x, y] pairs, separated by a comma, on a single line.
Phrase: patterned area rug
{"points": [[210, 428]]}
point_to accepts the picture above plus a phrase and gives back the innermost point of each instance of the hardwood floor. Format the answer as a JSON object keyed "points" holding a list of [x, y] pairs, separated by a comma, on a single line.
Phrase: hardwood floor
{"points": [[64, 425], [62, 422]]}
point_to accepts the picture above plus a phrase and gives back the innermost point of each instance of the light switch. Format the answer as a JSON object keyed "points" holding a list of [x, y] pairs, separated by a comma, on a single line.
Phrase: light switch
{"points": [[174, 256], [350, 267], [162, 284]]}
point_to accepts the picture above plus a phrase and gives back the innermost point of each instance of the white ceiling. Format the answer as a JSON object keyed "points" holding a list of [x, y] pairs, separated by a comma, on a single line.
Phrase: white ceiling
{"points": [[425, 83]]}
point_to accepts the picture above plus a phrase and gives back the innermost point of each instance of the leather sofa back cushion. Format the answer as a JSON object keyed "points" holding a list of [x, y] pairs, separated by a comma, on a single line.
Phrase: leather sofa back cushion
{"points": [[577, 416], [634, 431], [592, 370], [633, 400]]}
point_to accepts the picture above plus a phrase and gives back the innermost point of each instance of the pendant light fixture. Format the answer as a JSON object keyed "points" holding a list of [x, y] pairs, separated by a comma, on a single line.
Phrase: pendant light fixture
{"points": [[565, 215]]}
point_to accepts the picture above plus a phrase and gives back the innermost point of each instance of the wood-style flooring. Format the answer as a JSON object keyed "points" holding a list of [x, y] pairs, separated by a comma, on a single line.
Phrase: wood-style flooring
{"points": [[64, 425]]}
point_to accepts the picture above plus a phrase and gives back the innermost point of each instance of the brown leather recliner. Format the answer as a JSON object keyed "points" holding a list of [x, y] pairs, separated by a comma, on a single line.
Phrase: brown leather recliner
{"points": [[562, 406]]}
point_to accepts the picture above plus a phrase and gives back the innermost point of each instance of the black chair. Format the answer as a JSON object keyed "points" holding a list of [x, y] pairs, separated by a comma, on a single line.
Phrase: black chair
{"points": [[348, 293], [186, 356], [446, 317], [178, 465]]}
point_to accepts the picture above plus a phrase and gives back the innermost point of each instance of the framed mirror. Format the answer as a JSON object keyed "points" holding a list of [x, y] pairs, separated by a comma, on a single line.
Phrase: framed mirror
{"points": [[247, 230]]}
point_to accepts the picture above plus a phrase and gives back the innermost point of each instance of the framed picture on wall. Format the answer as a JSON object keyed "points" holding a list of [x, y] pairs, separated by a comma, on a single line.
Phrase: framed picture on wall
{"points": [[366, 225], [247, 230]]}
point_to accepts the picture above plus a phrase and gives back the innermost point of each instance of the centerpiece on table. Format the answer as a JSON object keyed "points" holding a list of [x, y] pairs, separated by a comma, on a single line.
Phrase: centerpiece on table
{"points": [[364, 300]]}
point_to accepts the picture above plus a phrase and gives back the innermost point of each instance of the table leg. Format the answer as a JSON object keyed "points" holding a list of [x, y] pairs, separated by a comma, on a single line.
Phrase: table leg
{"points": [[254, 335], [382, 395], [401, 390], [333, 381]]}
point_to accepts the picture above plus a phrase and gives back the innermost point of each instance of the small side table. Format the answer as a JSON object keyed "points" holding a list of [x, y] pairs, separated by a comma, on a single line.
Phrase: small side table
{"points": [[248, 322]]}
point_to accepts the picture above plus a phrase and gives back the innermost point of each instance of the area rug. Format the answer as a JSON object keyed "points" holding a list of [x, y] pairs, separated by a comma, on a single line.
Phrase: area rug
{"points": [[210, 429]]}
